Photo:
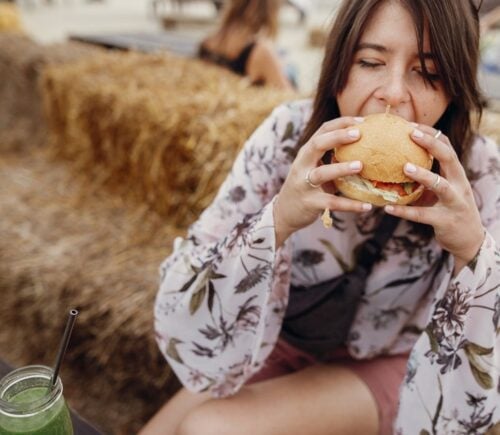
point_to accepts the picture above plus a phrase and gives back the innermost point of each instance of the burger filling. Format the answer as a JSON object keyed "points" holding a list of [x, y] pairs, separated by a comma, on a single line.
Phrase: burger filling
{"points": [[389, 191]]}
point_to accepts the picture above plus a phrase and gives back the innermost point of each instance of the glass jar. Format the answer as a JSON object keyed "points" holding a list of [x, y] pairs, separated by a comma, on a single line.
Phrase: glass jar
{"points": [[29, 407]]}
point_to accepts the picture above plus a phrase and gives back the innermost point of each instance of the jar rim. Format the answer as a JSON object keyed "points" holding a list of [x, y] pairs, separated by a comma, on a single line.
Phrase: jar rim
{"points": [[29, 408]]}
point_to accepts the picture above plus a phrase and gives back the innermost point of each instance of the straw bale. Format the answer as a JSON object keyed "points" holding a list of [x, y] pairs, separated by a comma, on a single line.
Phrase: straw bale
{"points": [[162, 128], [21, 62], [59, 249]]}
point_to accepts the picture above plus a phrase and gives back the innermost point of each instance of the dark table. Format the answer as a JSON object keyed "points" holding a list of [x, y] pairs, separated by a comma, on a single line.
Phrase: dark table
{"points": [[80, 426], [180, 44]]}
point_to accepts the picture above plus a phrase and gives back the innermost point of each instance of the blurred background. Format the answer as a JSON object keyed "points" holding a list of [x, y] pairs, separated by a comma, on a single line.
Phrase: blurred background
{"points": [[300, 21], [302, 27]]}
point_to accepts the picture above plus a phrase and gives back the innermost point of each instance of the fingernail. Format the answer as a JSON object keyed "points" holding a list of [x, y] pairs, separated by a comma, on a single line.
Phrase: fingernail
{"points": [[359, 119], [354, 133], [410, 168], [355, 165], [389, 208], [366, 206], [414, 124], [417, 133]]}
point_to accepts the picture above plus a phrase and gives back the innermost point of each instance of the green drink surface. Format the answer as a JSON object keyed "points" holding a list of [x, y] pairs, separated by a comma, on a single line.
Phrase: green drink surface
{"points": [[30, 395], [52, 421]]}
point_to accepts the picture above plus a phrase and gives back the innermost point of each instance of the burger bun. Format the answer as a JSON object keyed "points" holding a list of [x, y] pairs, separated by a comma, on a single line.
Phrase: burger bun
{"points": [[384, 148]]}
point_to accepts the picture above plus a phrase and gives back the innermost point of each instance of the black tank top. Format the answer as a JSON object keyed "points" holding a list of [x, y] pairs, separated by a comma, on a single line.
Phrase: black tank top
{"points": [[237, 64]]}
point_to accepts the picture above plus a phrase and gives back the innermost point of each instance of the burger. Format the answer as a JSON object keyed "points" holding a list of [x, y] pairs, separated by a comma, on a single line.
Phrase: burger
{"points": [[384, 147]]}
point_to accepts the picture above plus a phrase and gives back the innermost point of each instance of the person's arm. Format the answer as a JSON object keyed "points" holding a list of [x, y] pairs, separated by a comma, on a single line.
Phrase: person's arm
{"points": [[452, 378], [265, 66], [223, 290]]}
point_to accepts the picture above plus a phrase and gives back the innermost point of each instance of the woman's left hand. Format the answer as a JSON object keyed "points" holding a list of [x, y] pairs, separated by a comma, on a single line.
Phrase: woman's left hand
{"points": [[454, 214]]}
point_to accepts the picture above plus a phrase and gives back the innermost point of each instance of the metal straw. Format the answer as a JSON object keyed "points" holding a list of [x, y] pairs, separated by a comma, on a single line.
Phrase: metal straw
{"points": [[64, 345]]}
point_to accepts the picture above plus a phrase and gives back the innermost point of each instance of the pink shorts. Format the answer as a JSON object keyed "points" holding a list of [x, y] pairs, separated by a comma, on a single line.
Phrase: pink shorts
{"points": [[382, 375]]}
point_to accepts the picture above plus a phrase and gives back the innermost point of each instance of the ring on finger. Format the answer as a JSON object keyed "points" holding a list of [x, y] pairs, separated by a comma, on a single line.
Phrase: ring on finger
{"points": [[436, 182], [308, 180], [438, 133]]}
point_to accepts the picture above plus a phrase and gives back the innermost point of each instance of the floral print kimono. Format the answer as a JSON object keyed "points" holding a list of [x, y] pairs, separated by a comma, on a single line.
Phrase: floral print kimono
{"points": [[224, 290]]}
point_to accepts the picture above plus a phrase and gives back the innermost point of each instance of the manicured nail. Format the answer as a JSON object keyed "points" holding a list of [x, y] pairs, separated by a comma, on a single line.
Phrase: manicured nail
{"points": [[366, 206], [359, 119], [417, 133], [354, 133], [355, 165], [389, 208], [410, 168]]}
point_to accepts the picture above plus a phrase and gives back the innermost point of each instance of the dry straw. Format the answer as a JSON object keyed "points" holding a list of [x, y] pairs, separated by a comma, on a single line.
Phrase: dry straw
{"points": [[21, 62], [162, 128], [64, 246]]}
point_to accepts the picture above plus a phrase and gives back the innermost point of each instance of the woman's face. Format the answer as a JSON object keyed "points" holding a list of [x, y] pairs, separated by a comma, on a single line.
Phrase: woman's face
{"points": [[386, 71]]}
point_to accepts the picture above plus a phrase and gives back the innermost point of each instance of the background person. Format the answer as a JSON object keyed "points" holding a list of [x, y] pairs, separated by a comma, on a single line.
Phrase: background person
{"points": [[244, 44], [434, 293]]}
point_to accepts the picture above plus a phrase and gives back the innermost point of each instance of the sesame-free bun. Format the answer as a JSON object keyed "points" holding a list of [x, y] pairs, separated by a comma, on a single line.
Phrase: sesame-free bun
{"points": [[384, 147]]}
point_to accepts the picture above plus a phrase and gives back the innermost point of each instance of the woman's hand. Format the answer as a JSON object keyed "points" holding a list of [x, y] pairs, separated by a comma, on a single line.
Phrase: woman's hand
{"points": [[453, 213], [299, 203]]}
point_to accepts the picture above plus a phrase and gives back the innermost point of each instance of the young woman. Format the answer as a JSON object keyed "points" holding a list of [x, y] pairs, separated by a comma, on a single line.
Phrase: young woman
{"points": [[243, 42], [423, 352]]}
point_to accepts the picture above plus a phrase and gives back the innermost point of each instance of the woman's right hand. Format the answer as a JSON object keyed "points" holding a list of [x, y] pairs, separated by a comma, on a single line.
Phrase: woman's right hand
{"points": [[298, 204]]}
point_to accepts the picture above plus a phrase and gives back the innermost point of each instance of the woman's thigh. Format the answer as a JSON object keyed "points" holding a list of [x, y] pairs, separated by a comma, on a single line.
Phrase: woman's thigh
{"points": [[322, 399], [167, 420]]}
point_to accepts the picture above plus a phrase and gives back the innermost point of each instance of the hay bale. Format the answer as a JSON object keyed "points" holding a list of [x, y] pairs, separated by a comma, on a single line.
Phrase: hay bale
{"points": [[65, 246], [9, 18], [162, 128], [21, 62]]}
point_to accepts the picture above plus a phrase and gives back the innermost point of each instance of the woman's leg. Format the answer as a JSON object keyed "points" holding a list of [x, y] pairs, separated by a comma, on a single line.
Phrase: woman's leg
{"points": [[323, 399], [168, 418]]}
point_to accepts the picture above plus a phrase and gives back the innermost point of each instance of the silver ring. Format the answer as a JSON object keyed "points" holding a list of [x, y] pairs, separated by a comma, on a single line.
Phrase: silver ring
{"points": [[438, 133], [436, 183], [308, 179]]}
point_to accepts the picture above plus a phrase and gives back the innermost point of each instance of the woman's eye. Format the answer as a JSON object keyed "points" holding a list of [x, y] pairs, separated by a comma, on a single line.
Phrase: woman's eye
{"points": [[366, 64], [433, 77]]}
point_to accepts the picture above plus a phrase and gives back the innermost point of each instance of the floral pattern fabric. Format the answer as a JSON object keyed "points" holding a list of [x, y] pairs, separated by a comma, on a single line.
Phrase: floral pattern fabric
{"points": [[224, 290]]}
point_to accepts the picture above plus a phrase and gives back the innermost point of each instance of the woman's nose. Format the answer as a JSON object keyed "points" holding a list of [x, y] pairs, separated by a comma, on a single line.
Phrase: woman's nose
{"points": [[394, 91]]}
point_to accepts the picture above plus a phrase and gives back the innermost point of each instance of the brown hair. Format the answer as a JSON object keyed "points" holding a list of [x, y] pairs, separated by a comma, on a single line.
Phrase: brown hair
{"points": [[256, 15], [453, 27]]}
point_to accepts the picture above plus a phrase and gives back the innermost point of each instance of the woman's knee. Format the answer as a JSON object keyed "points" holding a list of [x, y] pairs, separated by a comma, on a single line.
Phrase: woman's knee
{"points": [[210, 418]]}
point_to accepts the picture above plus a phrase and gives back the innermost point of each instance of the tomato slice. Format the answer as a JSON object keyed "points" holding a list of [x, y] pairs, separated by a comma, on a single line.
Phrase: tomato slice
{"points": [[393, 187]]}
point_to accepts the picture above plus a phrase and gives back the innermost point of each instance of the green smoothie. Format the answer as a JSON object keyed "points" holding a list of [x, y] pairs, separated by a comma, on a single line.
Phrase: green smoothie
{"points": [[50, 420]]}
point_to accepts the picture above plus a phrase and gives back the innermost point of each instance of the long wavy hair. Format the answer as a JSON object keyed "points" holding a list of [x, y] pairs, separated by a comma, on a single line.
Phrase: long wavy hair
{"points": [[259, 16], [453, 27]]}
